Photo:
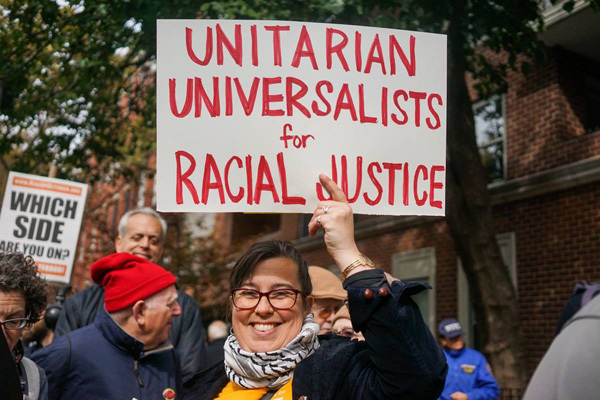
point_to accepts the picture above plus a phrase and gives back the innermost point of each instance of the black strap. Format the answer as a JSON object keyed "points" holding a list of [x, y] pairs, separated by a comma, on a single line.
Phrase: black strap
{"points": [[9, 378], [66, 371], [269, 394]]}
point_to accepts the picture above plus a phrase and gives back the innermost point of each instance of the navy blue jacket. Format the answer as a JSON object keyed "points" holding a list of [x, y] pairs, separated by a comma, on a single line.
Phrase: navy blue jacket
{"points": [[186, 333], [104, 362], [468, 372], [399, 360]]}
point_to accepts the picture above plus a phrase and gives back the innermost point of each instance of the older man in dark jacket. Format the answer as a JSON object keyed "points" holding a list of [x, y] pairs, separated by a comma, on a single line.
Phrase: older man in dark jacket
{"points": [[142, 232], [125, 353]]}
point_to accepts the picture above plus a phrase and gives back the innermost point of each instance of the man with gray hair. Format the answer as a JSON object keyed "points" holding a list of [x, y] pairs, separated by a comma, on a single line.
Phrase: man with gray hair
{"points": [[142, 232]]}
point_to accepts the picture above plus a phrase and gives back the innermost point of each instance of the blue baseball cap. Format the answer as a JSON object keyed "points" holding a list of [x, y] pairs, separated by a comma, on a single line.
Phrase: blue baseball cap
{"points": [[450, 328]]}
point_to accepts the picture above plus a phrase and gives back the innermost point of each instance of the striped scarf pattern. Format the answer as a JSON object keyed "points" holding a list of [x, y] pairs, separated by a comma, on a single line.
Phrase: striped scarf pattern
{"points": [[271, 369]]}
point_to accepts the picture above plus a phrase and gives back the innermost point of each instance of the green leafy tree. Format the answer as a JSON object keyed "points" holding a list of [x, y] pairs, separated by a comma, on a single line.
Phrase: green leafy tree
{"points": [[77, 84]]}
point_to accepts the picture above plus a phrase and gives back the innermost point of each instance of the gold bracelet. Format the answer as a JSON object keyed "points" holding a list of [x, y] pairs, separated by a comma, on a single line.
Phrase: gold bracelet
{"points": [[362, 260]]}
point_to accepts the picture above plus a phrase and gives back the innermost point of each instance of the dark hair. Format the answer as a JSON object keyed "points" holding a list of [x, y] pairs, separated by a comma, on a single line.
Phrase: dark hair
{"points": [[19, 274], [246, 264]]}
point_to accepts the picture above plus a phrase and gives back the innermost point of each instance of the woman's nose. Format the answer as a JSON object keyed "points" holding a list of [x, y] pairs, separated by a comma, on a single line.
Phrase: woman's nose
{"points": [[263, 306]]}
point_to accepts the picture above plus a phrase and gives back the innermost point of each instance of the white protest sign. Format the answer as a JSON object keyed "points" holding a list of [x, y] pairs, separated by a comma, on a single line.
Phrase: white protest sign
{"points": [[41, 217], [250, 112]]}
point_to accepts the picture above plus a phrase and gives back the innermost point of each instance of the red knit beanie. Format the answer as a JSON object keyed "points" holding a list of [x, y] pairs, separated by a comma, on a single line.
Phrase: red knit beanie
{"points": [[127, 278]]}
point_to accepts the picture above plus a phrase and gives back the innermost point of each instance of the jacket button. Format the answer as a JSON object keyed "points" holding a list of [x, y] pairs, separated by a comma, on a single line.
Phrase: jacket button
{"points": [[383, 291], [368, 293]]}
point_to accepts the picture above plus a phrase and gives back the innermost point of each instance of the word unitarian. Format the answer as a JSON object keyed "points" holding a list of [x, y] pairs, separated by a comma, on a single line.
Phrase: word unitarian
{"points": [[416, 184], [337, 43]]}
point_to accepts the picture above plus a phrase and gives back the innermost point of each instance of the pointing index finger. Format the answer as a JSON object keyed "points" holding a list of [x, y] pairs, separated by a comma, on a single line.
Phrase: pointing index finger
{"points": [[333, 189]]}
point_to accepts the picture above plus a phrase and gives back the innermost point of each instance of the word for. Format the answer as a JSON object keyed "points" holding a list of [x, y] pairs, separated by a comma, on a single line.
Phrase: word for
{"points": [[38, 229], [299, 141], [391, 105], [410, 181], [336, 45], [44, 205]]}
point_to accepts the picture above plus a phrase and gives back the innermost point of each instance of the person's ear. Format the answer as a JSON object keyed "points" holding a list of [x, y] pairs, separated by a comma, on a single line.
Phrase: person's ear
{"points": [[310, 301], [118, 243], [139, 312]]}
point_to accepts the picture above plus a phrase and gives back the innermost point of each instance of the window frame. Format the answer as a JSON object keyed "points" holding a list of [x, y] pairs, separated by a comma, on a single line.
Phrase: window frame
{"points": [[419, 264], [480, 104]]}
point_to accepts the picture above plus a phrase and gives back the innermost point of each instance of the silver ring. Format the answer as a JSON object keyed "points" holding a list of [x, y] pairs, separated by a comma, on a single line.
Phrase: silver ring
{"points": [[325, 209], [319, 220]]}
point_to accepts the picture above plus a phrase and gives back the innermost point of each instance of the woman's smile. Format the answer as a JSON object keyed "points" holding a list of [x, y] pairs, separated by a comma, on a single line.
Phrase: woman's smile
{"points": [[264, 328]]}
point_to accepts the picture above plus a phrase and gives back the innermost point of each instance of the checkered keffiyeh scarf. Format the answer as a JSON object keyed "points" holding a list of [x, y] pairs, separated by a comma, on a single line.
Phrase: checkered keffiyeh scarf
{"points": [[272, 369]]}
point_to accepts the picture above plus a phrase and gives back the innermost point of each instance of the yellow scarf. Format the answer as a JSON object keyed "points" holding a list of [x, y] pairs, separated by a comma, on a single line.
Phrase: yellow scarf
{"points": [[234, 392]]}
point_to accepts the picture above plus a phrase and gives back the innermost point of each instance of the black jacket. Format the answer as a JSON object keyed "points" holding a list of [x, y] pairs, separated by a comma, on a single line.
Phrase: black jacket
{"points": [[214, 351], [186, 334], [399, 360]]}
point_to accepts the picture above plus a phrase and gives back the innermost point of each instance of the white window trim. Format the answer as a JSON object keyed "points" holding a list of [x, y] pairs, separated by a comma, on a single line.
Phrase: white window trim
{"points": [[406, 268], [464, 301]]}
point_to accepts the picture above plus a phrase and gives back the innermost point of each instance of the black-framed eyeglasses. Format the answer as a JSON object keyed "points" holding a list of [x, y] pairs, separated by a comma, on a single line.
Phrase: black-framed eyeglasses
{"points": [[16, 323], [279, 299]]}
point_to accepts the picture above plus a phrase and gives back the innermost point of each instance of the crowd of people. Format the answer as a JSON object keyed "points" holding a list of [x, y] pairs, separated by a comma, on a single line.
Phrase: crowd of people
{"points": [[295, 332]]}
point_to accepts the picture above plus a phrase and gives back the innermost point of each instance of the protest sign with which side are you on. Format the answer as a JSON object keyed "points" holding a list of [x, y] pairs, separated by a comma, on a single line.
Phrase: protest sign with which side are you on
{"points": [[250, 112], [41, 218]]}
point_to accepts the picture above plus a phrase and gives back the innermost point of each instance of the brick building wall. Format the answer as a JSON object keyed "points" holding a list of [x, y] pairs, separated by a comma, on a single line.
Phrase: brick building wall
{"points": [[557, 244], [545, 117]]}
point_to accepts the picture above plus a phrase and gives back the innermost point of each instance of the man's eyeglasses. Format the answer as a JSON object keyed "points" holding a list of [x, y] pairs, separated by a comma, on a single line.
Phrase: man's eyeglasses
{"points": [[279, 299], [325, 312], [16, 323]]}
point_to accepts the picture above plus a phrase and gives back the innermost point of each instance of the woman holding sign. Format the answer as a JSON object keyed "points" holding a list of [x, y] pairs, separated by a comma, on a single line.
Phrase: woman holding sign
{"points": [[274, 352]]}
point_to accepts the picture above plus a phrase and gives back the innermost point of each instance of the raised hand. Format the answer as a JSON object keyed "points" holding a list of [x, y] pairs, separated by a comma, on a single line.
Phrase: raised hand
{"points": [[335, 217]]}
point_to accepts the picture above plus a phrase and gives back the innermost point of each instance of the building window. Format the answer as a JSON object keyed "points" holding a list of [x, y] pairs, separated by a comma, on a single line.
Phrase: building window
{"points": [[466, 315], [490, 134], [419, 266], [304, 219], [592, 103]]}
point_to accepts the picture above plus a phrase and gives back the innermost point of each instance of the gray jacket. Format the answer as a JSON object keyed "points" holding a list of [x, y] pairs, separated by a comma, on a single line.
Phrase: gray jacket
{"points": [[569, 370]]}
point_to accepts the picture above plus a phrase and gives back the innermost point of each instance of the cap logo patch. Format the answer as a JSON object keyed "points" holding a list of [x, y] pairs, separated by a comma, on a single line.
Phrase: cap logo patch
{"points": [[452, 327]]}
